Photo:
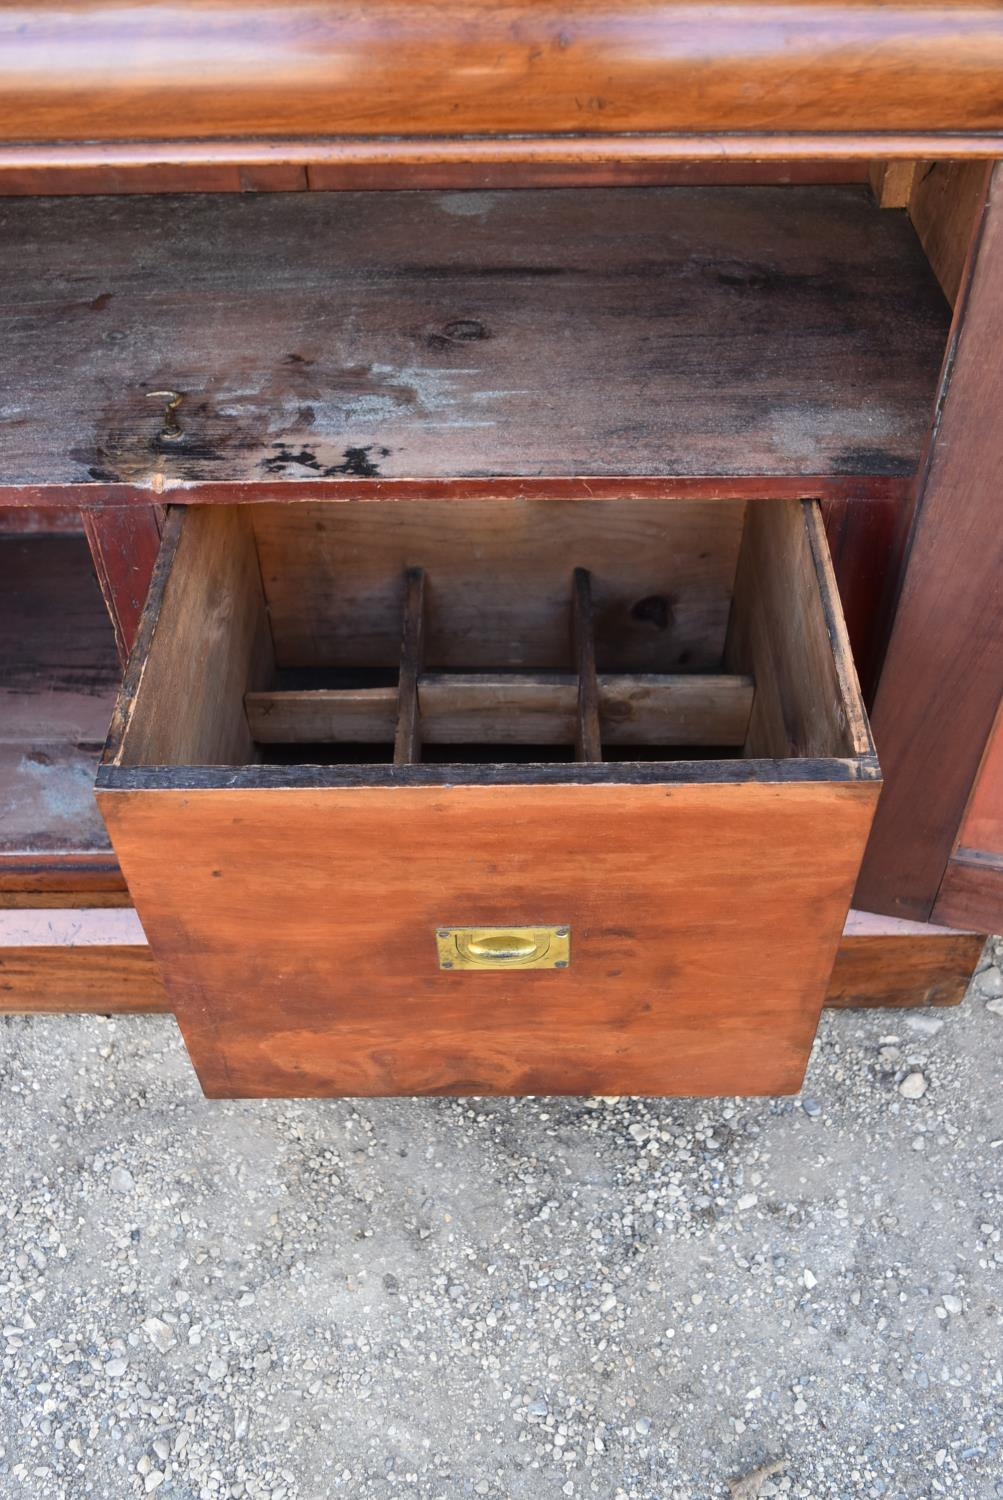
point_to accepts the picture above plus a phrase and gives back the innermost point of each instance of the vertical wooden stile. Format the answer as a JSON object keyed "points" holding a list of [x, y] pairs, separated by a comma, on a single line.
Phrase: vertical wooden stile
{"points": [[407, 741], [588, 739]]}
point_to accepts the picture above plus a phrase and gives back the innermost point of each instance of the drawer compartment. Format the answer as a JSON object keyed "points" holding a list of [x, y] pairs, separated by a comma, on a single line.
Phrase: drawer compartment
{"points": [[524, 797]]}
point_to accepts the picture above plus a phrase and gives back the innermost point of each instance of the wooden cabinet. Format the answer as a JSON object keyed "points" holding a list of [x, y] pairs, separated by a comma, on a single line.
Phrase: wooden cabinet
{"points": [[479, 430], [691, 800]]}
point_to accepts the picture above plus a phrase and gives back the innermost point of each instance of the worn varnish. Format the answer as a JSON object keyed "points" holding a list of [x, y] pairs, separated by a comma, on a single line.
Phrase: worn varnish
{"points": [[347, 340], [99, 71]]}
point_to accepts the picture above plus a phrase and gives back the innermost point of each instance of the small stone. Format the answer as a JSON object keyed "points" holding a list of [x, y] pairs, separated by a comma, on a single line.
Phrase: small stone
{"points": [[538, 1408], [116, 1367], [160, 1334], [608, 1303], [810, 1280], [924, 1024], [812, 1108], [643, 1426], [217, 1369], [990, 983], [121, 1180], [162, 1449], [913, 1086], [154, 1479], [747, 1201], [995, 1007], [953, 1304]]}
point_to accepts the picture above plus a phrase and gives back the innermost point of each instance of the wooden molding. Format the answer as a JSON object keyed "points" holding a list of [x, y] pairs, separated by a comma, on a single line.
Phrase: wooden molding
{"points": [[96, 70]]}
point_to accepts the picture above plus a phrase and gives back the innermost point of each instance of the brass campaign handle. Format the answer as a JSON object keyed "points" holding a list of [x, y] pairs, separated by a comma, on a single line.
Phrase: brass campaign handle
{"points": [[503, 947]]}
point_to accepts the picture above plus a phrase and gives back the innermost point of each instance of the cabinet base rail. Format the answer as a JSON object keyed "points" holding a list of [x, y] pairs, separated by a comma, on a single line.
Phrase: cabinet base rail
{"points": [[96, 961]]}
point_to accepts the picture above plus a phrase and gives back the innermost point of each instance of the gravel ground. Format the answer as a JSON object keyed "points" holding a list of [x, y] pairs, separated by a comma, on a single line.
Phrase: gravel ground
{"points": [[623, 1298]]}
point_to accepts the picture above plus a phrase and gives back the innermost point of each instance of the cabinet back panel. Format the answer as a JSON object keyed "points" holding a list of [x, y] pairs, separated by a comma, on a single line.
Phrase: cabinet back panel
{"points": [[498, 581]]}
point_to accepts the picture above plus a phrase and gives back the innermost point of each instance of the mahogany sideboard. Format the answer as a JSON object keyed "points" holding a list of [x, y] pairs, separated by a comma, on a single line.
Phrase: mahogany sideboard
{"points": [[521, 484]]}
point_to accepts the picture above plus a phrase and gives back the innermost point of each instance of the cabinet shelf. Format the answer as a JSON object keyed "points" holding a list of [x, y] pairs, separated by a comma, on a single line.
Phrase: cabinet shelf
{"points": [[326, 343]]}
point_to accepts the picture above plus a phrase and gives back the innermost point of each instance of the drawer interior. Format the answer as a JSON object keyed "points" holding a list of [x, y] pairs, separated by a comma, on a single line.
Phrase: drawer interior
{"points": [[475, 636]]}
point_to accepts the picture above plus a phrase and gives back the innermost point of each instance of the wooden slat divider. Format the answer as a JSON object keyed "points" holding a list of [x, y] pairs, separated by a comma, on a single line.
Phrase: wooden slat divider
{"points": [[537, 708], [407, 740], [588, 737]]}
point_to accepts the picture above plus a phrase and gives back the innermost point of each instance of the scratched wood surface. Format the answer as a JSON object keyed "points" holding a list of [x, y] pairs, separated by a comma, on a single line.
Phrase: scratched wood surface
{"points": [[346, 338]]}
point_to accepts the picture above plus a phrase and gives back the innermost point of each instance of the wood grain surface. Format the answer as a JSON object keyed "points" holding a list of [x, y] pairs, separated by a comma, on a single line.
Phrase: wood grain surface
{"points": [[940, 686], [786, 630], [982, 825], [337, 342], [972, 890], [512, 708], [295, 930], [74, 168], [499, 581], [944, 205], [96, 70], [108, 980], [903, 972], [293, 909], [872, 971], [124, 543]]}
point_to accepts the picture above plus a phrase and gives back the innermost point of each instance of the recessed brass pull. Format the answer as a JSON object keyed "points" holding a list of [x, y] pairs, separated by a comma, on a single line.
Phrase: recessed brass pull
{"points": [[503, 947]]}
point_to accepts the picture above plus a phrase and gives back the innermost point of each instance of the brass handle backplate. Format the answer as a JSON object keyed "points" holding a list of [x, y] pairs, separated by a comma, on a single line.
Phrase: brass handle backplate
{"points": [[503, 947]]}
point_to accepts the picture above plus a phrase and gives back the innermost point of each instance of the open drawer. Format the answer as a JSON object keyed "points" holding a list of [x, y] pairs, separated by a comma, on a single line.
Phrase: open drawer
{"points": [[523, 797]]}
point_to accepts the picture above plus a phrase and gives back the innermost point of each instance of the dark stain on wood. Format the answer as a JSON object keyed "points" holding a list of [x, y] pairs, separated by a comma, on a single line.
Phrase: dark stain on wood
{"points": [[680, 331]]}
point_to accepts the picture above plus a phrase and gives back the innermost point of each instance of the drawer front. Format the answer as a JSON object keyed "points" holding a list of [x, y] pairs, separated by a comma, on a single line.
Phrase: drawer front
{"points": [[296, 931]]}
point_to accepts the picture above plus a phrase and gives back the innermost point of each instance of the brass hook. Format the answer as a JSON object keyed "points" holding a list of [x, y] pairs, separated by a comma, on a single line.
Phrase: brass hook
{"points": [[171, 431]]}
